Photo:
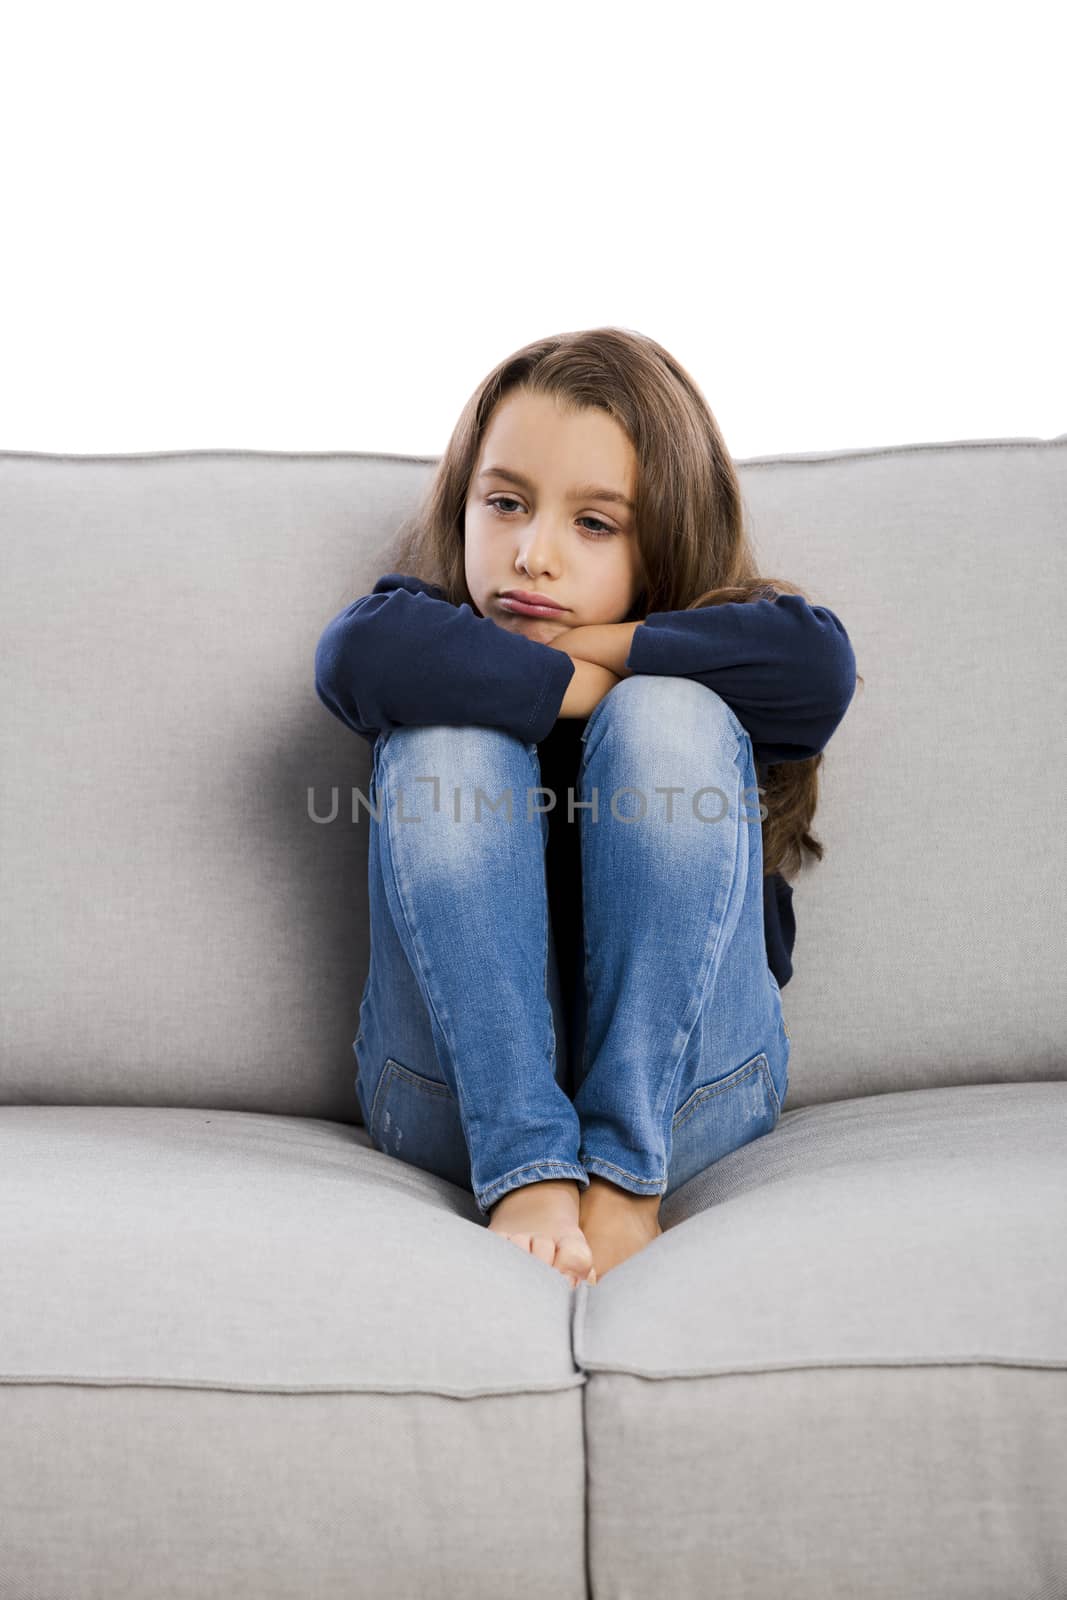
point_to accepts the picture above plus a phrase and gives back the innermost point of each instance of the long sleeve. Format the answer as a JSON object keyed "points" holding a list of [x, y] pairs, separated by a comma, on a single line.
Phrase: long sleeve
{"points": [[785, 668], [404, 655]]}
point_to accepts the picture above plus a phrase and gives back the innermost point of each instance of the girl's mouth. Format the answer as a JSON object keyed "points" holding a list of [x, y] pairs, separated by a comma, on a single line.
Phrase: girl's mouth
{"points": [[521, 609]]}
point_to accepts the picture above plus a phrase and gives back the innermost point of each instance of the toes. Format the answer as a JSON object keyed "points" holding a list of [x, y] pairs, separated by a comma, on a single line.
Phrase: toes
{"points": [[574, 1281], [570, 1254], [544, 1248], [573, 1254]]}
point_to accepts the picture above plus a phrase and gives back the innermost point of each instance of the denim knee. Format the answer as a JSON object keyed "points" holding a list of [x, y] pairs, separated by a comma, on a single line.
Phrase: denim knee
{"points": [[448, 789], [667, 731], [465, 745], [450, 764], [662, 704]]}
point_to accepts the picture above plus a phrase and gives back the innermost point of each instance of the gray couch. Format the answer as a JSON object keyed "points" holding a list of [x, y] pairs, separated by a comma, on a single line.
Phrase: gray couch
{"points": [[243, 1353]]}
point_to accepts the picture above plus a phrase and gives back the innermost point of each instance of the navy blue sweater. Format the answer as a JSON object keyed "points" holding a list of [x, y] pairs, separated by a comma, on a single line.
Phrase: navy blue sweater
{"points": [[404, 655]]}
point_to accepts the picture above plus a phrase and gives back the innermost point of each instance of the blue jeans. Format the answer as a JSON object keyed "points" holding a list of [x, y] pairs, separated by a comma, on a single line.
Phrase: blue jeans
{"points": [[677, 1049]]}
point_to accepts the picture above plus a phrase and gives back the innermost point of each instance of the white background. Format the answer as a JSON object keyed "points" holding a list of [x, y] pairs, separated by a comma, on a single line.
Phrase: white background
{"points": [[316, 227]]}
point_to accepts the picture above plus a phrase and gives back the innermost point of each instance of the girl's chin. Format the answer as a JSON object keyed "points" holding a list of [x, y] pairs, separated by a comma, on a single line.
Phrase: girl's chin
{"points": [[538, 627]]}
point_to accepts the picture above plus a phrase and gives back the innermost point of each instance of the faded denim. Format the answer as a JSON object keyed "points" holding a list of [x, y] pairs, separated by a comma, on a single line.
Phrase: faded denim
{"points": [[677, 1052]]}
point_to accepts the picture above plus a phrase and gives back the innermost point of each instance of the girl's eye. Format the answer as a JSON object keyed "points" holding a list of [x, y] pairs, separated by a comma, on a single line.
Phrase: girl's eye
{"points": [[602, 531]]}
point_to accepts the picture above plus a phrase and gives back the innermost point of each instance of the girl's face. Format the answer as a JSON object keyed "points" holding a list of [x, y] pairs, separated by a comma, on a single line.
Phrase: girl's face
{"points": [[558, 532]]}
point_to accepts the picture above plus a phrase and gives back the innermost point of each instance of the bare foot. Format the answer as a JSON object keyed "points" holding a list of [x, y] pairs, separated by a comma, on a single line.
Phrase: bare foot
{"points": [[616, 1222], [542, 1219]]}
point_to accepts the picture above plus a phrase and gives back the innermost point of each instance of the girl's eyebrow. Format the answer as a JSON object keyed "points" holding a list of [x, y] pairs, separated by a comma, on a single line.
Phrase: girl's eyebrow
{"points": [[585, 491]]}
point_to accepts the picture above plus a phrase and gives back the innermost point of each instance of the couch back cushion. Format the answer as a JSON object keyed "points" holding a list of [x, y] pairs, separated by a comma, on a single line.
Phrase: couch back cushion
{"points": [[178, 928]]}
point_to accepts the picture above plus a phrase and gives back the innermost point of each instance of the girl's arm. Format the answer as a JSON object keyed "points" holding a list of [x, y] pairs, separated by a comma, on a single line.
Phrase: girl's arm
{"points": [[606, 643], [785, 668], [404, 655], [591, 682]]}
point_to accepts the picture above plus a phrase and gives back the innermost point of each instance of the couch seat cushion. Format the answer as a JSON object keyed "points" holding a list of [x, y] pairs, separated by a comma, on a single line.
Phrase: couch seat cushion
{"points": [[841, 1368], [249, 1354]]}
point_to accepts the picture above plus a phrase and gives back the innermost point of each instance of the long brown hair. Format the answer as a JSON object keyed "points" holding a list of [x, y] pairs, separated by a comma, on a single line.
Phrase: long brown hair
{"points": [[689, 516]]}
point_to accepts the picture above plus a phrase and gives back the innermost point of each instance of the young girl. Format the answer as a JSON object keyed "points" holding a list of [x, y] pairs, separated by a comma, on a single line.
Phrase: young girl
{"points": [[577, 687]]}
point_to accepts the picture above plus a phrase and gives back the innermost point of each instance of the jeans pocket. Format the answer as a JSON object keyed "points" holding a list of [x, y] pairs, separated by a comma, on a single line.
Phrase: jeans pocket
{"points": [[416, 1119], [721, 1116]]}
